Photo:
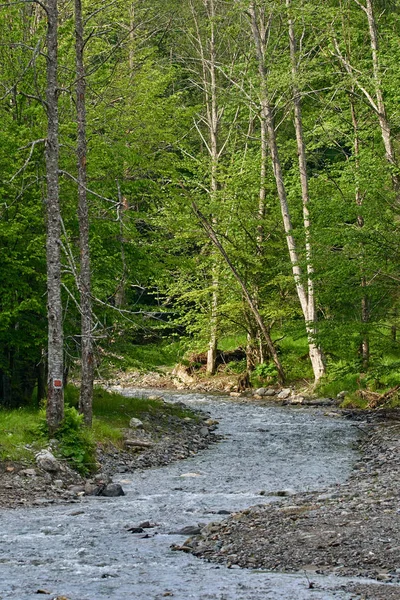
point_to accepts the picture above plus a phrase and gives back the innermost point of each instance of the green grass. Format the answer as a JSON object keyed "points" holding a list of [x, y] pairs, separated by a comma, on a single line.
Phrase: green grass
{"points": [[16, 433], [112, 413], [145, 357]]}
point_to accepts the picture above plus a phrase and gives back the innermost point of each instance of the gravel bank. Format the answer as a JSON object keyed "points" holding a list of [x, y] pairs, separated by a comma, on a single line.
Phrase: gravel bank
{"points": [[351, 529], [27, 485]]}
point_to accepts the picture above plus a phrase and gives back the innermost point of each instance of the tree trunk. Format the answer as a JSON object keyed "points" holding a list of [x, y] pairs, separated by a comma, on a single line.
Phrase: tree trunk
{"points": [[267, 115], [365, 351], [55, 393], [316, 355], [87, 372], [260, 323], [382, 115]]}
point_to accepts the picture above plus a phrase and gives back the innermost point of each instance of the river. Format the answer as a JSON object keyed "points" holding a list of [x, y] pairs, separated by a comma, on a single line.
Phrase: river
{"points": [[84, 551]]}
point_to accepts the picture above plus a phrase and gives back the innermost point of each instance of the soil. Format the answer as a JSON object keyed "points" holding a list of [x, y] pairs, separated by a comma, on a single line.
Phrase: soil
{"points": [[352, 529]]}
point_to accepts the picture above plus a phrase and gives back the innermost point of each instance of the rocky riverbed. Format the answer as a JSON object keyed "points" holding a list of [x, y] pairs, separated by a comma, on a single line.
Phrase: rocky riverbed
{"points": [[351, 529], [31, 485]]}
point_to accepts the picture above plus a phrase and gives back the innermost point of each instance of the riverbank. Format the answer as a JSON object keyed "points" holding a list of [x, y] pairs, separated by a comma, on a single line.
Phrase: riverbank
{"points": [[165, 437], [352, 529]]}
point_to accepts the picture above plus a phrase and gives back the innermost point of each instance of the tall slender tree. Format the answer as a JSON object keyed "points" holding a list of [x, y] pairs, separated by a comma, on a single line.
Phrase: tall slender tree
{"points": [[55, 394], [87, 369]]}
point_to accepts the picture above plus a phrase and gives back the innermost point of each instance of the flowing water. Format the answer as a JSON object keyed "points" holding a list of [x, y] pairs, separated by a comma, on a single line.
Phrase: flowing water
{"points": [[84, 551]]}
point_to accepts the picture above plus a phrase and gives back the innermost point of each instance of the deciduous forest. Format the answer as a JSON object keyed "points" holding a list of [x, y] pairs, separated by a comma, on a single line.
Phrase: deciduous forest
{"points": [[197, 175]]}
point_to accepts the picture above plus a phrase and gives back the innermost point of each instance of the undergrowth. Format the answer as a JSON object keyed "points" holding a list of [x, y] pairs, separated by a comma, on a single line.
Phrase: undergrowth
{"points": [[23, 432]]}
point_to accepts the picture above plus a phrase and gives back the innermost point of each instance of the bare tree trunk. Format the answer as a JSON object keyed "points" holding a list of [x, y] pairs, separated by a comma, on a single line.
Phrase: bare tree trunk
{"points": [[209, 83], [316, 355], [213, 237], [377, 103], [213, 123], [365, 350], [87, 373], [213, 343], [267, 115], [55, 393], [382, 114]]}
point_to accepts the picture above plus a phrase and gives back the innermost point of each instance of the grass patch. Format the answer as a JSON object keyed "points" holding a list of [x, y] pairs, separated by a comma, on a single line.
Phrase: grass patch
{"points": [[23, 432], [18, 440], [145, 357]]}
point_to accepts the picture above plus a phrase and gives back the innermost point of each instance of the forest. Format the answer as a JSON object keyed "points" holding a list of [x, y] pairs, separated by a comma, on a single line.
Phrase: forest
{"points": [[198, 175]]}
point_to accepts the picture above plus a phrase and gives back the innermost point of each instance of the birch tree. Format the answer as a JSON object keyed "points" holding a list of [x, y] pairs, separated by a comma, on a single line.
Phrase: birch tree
{"points": [[306, 297]]}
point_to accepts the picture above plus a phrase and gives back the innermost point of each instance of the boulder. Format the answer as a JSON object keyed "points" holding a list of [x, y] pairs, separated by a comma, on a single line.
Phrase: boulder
{"points": [[135, 423], [112, 490], [284, 394], [46, 461], [260, 391], [270, 392]]}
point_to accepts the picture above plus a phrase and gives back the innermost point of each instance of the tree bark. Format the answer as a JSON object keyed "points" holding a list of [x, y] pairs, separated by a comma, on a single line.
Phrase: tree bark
{"points": [[209, 83], [87, 369], [214, 238], [267, 115], [55, 393], [365, 350], [316, 355], [382, 114]]}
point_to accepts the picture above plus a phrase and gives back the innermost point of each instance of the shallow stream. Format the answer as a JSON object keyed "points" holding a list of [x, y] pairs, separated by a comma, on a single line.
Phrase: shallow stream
{"points": [[84, 551]]}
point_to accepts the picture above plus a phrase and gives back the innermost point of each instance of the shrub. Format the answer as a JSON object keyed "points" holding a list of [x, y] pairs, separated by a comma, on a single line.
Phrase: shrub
{"points": [[76, 442]]}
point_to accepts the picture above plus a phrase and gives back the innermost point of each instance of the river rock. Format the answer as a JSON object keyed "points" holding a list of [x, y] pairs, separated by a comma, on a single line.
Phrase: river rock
{"points": [[47, 461], [188, 530], [260, 391], [284, 394], [270, 392], [297, 400], [204, 431], [135, 423], [112, 490], [90, 488], [28, 472]]}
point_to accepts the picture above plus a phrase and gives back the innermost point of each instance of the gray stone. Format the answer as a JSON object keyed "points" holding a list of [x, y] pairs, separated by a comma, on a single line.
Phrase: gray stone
{"points": [[270, 392], [260, 391], [46, 460], [189, 530], [112, 490], [284, 394], [91, 488], [297, 400], [28, 472], [204, 431], [135, 423]]}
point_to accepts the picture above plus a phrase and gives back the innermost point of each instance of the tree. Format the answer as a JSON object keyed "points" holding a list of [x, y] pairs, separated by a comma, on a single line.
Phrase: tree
{"points": [[87, 369], [55, 394]]}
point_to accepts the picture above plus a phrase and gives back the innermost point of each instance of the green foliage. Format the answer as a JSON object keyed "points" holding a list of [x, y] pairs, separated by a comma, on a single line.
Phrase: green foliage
{"points": [[76, 442], [265, 373], [238, 366]]}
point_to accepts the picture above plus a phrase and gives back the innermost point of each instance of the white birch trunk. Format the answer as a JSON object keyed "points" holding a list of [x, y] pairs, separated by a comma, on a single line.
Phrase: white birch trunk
{"points": [[267, 115], [316, 355]]}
